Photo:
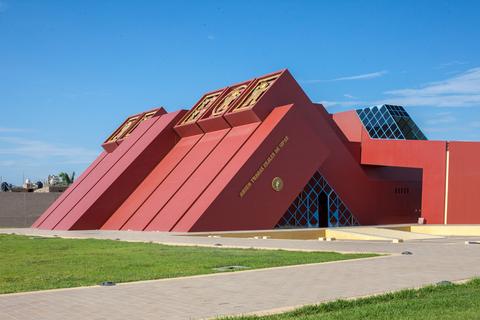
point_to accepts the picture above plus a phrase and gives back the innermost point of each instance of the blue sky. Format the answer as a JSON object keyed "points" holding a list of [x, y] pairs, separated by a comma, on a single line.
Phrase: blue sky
{"points": [[71, 71]]}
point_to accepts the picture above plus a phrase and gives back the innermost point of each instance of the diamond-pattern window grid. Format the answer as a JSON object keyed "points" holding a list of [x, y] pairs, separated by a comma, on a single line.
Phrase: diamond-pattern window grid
{"points": [[304, 210], [390, 122]]}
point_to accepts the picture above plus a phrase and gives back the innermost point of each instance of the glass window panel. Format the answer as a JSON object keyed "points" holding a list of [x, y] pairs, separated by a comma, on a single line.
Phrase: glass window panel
{"points": [[389, 122]]}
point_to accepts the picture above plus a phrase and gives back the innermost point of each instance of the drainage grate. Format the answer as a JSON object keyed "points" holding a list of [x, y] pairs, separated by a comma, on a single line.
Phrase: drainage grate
{"points": [[230, 268], [107, 283]]}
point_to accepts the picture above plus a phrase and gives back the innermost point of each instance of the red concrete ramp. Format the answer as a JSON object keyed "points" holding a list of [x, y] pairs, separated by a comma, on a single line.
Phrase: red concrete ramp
{"points": [[55, 213], [241, 196], [96, 197], [152, 144], [67, 193], [151, 183], [201, 178], [172, 183]]}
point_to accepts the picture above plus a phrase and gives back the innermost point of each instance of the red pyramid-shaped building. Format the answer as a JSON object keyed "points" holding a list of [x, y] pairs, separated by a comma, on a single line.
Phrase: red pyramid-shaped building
{"points": [[260, 155]]}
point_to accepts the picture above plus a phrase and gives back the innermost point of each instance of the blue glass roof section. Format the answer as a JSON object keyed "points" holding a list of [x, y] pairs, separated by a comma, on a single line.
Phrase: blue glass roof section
{"points": [[389, 122]]}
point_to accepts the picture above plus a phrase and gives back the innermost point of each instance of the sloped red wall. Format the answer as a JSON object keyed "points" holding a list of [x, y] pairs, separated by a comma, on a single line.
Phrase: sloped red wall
{"points": [[91, 202]]}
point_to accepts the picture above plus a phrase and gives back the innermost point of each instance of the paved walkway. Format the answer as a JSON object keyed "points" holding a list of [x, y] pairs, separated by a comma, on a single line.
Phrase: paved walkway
{"points": [[250, 291]]}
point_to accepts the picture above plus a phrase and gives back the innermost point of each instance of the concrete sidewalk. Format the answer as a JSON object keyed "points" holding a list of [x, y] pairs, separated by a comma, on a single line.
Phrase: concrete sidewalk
{"points": [[250, 291]]}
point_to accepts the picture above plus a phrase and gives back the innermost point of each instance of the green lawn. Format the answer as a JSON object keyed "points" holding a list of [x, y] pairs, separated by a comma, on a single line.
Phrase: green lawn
{"points": [[429, 303], [36, 263]]}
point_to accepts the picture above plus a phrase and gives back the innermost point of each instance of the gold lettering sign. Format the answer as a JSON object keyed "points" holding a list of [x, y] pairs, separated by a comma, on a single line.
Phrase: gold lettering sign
{"points": [[257, 92], [264, 166], [200, 109], [228, 100], [121, 131]]}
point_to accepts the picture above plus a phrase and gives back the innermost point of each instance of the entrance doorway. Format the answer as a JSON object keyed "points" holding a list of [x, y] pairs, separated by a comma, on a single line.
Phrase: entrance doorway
{"points": [[317, 206], [322, 210]]}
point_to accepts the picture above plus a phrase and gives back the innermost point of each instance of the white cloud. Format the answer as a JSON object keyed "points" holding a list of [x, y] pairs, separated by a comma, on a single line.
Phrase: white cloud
{"points": [[474, 124], [347, 103], [445, 132], [7, 163], [462, 90], [4, 129], [365, 76], [43, 151], [437, 129], [351, 102], [451, 64], [441, 119]]}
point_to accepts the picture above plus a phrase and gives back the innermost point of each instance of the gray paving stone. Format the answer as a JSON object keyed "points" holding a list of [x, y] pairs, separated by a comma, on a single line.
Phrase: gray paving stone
{"points": [[249, 291]]}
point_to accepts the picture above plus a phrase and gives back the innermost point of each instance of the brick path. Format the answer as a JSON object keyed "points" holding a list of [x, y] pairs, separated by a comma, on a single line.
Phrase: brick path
{"points": [[250, 291]]}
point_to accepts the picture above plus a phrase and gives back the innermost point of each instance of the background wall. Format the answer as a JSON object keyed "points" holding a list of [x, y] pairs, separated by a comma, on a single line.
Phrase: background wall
{"points": [[21, 209], [464, 183]]}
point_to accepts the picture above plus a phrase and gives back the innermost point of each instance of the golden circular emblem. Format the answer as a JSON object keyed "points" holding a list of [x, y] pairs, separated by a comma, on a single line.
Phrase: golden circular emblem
{"points": [[277, 184]]}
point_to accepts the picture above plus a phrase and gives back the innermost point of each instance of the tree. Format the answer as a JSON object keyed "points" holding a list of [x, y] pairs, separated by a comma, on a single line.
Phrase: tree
{"points": [[67, 179], [4, 187]]}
